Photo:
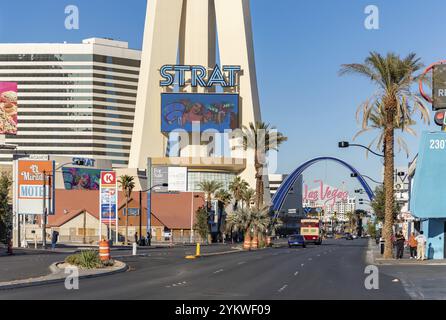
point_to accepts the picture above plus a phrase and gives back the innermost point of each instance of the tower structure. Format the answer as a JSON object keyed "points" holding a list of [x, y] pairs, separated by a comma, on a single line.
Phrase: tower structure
{"points": [[197, 69]]}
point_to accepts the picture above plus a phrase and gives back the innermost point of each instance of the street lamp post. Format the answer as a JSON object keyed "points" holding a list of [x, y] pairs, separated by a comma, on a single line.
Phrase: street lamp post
{"points": [[346, 144], [149, 227]]}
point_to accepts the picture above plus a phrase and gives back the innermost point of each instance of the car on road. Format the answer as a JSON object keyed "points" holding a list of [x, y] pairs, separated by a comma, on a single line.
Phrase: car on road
{"points": [[296, 240], [348, 236]]}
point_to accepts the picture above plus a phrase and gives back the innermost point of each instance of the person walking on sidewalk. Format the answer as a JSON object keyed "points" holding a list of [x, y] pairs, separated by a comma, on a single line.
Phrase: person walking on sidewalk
{"points": [[413, 246], [54, 238], [400, 240], [421, 247]]}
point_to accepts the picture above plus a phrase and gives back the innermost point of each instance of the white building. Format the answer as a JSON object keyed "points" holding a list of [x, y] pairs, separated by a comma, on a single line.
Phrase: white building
{"points": [[73, 99]]}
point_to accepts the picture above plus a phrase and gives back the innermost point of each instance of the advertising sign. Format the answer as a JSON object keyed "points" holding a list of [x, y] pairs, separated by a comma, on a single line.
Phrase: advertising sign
{"points": [[108, 202], [429, 183], [30, 182], [208, 111], [177, 179], [81, 178], [160, 176], [439, 87], [8, 108]]}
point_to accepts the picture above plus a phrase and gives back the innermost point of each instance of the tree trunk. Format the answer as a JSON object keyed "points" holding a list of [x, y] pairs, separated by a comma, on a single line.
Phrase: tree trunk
{"points": [[388, 183], [259, 189], [126, 221]]}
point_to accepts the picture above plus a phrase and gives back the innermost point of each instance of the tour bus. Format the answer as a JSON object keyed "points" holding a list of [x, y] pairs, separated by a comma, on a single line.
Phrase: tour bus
{"points": [[311, 229]]}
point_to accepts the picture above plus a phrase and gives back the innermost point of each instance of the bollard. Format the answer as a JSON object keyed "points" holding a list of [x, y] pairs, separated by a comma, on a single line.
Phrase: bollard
{"points": [[134, 248], [197, 251]]}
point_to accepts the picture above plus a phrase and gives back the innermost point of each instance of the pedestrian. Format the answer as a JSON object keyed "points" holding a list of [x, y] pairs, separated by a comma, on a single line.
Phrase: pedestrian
{"points": [[136, 237], [149, 238], [54, 238], [400, 241], [413, 246], [421, 246]]}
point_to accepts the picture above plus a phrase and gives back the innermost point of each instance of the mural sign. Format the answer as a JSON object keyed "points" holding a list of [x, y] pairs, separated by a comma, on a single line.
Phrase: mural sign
{"points": [[187, 111]]}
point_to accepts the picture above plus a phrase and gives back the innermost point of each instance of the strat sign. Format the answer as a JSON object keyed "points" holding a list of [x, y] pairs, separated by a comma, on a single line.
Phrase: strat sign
{"points": [[324, 194], [225, 77]]}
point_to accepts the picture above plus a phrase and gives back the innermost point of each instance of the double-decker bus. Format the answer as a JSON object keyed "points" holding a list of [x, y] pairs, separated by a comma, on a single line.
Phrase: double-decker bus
{"points": [[311, 230]]}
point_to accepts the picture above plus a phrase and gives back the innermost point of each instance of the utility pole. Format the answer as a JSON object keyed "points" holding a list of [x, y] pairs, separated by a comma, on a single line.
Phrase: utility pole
{"points": [[44, 212]]}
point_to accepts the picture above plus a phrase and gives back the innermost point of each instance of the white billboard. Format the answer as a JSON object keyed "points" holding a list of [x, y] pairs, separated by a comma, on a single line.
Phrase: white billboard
{"points": [[177, 179]]}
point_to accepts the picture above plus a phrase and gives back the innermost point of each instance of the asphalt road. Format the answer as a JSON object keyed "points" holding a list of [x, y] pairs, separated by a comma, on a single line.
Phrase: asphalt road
{"points": [[334, 270]]}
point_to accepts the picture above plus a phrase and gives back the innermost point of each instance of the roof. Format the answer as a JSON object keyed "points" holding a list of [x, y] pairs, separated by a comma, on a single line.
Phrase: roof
{"points": [[168, 209]]}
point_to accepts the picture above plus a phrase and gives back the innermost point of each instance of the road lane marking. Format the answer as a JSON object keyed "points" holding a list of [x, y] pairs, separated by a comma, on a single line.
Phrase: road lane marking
{"points": [[309, 259], [283, 288], [296, 273], [301, 264], [218, 271], [242, 262]]}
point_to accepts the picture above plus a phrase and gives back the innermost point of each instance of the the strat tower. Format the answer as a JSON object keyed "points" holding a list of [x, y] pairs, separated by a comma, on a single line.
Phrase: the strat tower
{"points": [[185, 33]]}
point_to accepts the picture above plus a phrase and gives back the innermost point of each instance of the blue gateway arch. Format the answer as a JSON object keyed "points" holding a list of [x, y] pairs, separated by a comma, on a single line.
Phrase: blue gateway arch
{"points": [[281, 193]]}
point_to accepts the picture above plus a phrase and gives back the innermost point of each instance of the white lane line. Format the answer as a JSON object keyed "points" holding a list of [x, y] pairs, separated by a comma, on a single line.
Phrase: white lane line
{"points": [[301, 264], [283, 288], [218, 271], [318, 255], [309, 259], [296, 273], [242, 262]]}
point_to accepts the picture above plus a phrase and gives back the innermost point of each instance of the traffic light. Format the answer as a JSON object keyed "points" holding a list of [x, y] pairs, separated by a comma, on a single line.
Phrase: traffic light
{"points": [[440, 118]]}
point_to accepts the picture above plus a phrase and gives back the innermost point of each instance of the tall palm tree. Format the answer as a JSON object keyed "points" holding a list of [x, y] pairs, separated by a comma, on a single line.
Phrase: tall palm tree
{"points": [[261, 138], [209, 188], [394, 76], [238, 186], [127, 185], [373, 117], [224, 198]]}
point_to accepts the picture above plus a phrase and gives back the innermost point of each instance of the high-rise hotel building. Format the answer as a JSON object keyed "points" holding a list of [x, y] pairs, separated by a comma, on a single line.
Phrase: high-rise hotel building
{"points": [[73, 99]]}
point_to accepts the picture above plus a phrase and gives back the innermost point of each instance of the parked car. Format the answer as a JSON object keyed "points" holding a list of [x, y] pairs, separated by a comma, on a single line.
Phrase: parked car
{"points": [[296, 240]]}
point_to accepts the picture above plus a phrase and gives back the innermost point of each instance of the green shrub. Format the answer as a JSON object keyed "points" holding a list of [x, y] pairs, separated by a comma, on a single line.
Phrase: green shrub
{"points": [[88, 259]]}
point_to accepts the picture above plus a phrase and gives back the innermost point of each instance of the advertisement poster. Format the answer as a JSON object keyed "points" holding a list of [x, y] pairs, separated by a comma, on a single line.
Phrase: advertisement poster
{"points": [[108, 197], [81, 178], [30, 182], [212, 111], [8, 108], [177, 179]]}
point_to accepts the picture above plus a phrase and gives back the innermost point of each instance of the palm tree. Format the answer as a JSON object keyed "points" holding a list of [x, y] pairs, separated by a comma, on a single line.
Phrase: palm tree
{"points": [[261, 138], [238, 186], [394, 76], [127, 185], [209, 188], [248, 196], [373, 117], [224, 198]]}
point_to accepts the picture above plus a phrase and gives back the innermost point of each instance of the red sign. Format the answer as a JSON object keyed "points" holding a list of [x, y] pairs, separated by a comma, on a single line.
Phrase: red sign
{"points": [[108, 178]]}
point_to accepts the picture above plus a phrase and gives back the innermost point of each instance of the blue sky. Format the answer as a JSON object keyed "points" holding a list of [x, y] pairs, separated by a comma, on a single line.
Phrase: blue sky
{"points": [[299, 47]]}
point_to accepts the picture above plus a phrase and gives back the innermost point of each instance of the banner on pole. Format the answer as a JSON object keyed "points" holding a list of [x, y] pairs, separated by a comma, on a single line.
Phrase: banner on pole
{"points": [[108, 198]]}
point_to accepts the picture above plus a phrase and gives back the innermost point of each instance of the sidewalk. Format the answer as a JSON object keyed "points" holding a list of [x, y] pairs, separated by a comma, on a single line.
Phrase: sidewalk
{"points": [[374, 257]]}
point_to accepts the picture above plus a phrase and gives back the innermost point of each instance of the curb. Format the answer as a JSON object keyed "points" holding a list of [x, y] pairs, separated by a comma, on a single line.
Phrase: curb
{"points": [[60, 277]]}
